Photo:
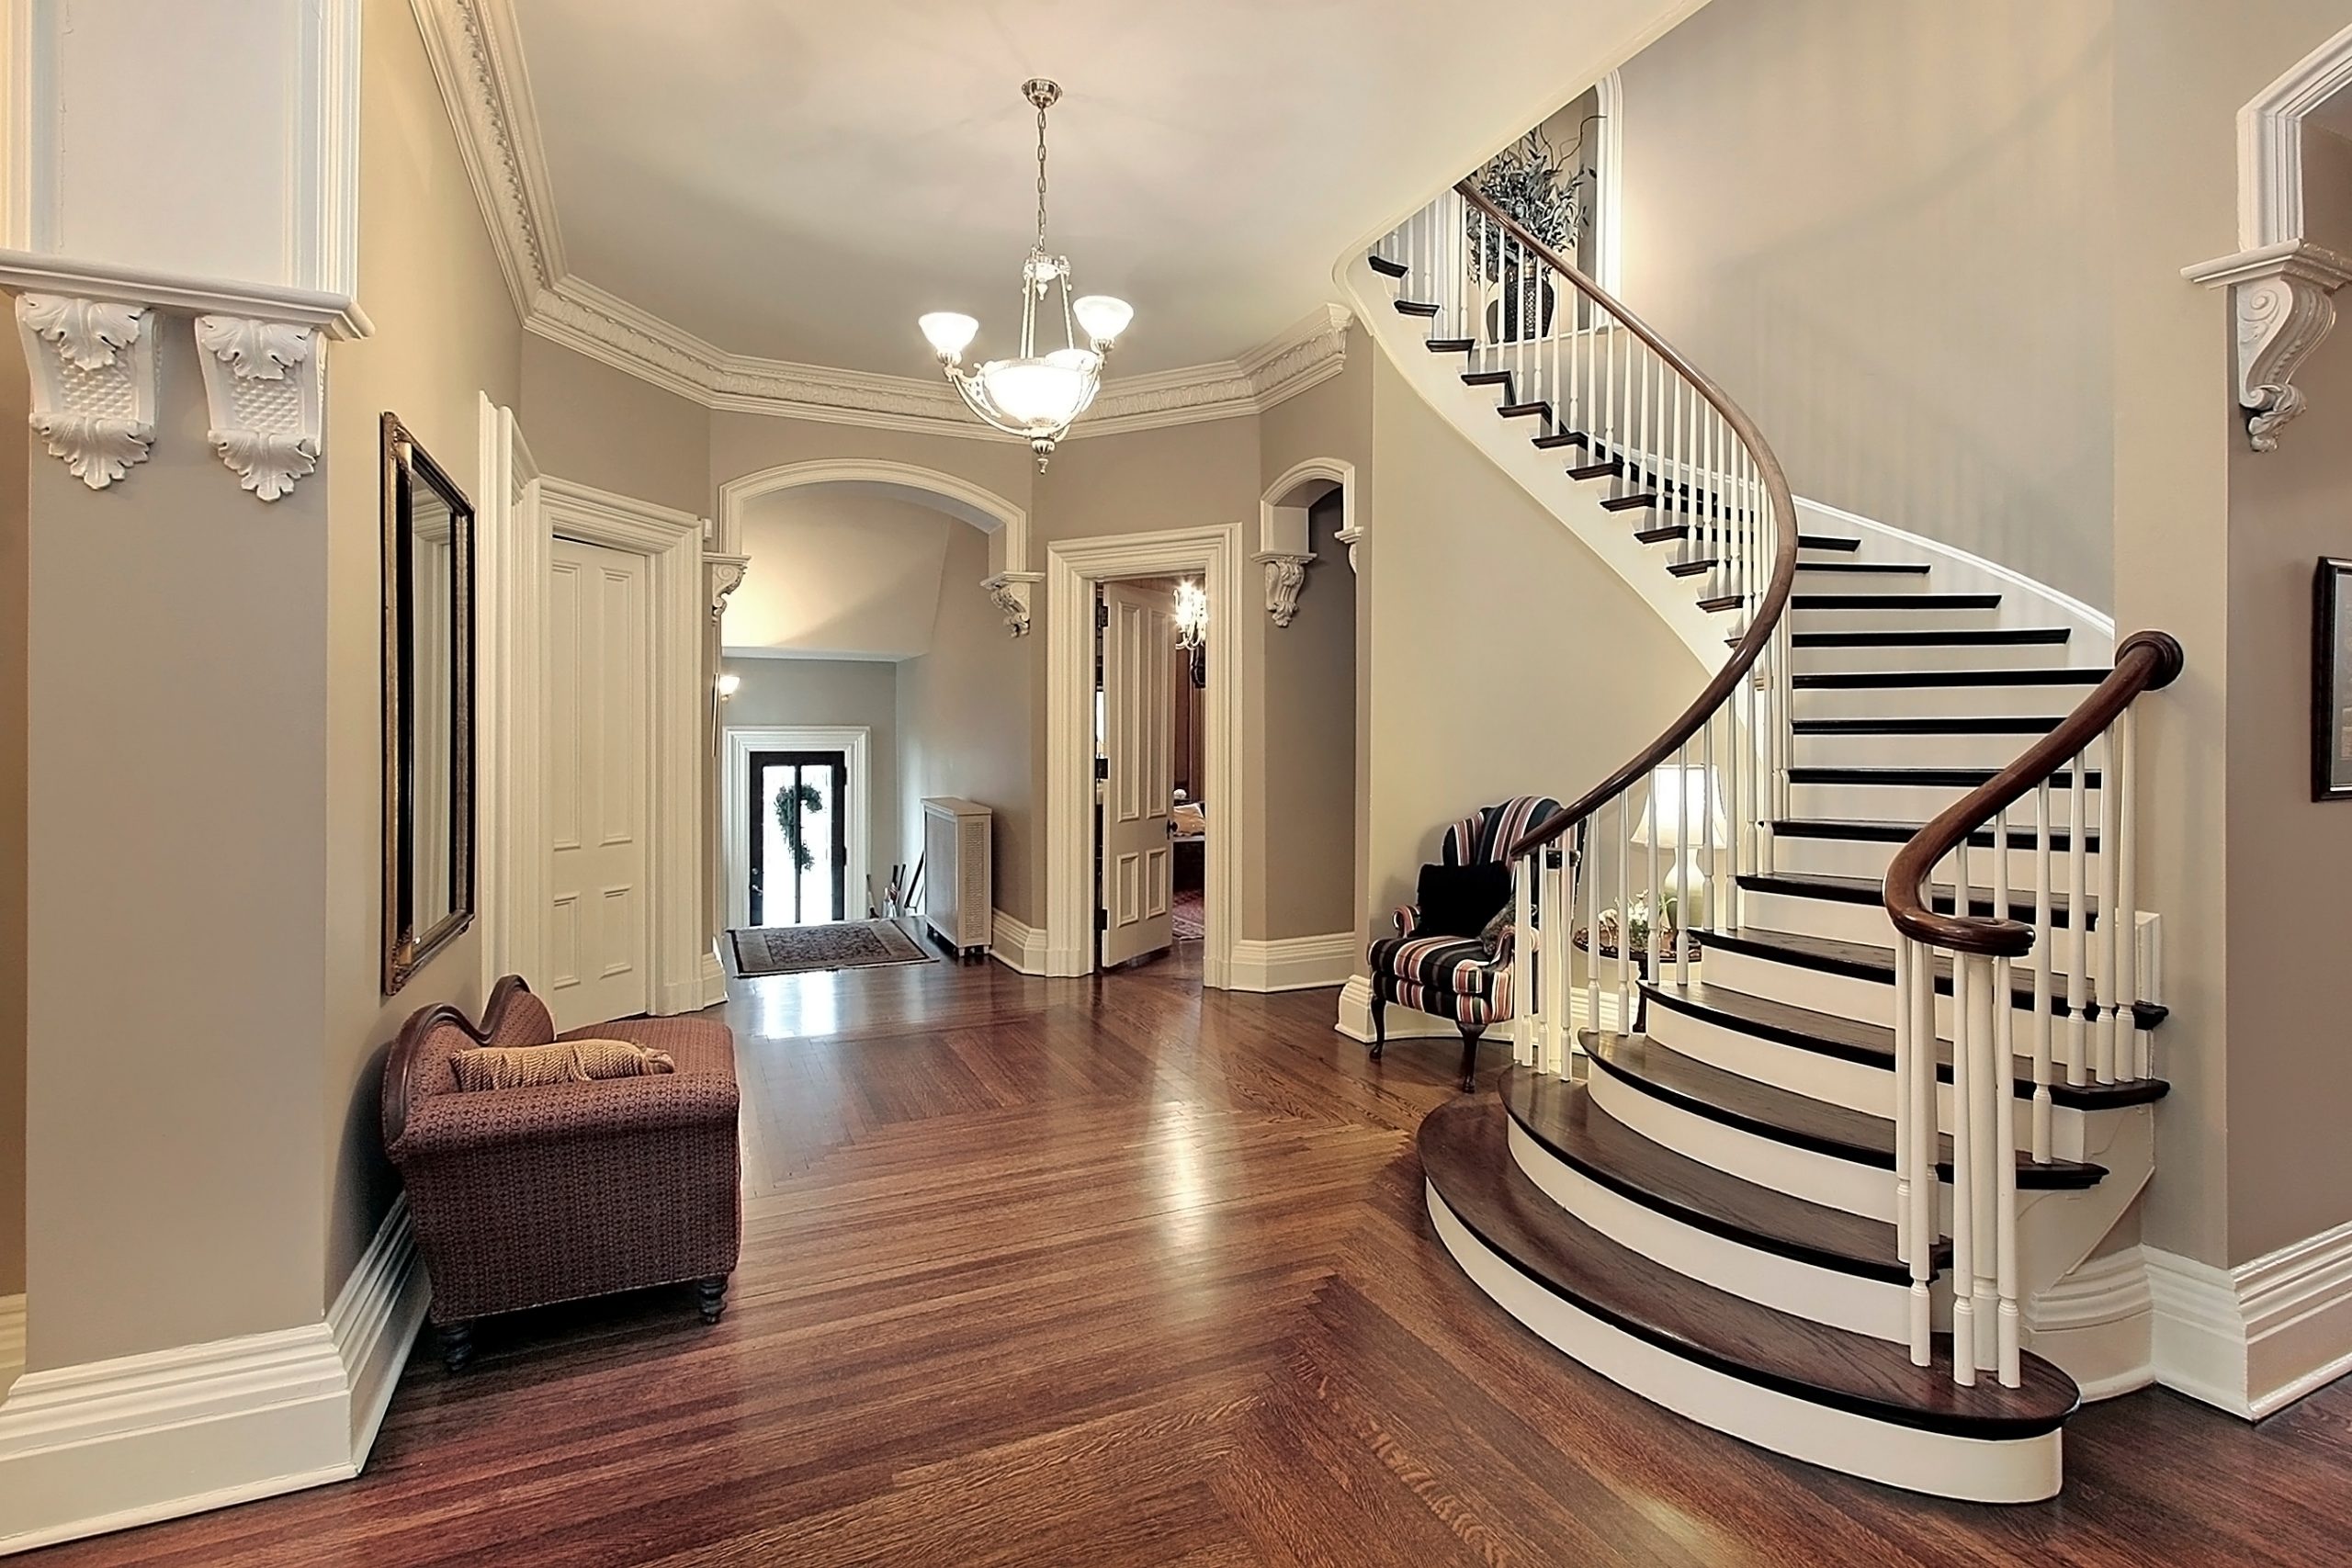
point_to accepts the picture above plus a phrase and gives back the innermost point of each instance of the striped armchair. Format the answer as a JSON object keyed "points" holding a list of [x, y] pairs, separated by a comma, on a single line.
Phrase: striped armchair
{"points": [[1465, 980]]}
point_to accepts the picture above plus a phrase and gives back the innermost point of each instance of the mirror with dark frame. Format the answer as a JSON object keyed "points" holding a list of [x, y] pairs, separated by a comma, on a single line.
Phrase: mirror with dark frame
{"points": [[428, 706]]}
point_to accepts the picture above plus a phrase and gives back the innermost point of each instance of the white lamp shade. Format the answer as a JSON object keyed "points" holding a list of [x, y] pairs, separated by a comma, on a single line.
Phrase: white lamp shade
{"points": [[950, 333], [1104, 317], [1040, 394], [1686, 810], [730, 683]]}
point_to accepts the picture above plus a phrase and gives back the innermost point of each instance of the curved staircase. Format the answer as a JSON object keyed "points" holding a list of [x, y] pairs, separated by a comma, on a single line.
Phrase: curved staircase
{"points": [[1802, 1179]]}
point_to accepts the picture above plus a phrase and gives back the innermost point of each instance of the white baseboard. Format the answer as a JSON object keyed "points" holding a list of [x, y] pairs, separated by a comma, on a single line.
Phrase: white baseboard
{"points": [[110, 1445], [714, 978], [2256, 1339], [2098, 1325], [1294, 964], [1017, 946]]}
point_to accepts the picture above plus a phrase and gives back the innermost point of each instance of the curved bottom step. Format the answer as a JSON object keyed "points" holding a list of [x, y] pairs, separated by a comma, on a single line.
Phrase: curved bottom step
{"points": [[1819, 1395]]}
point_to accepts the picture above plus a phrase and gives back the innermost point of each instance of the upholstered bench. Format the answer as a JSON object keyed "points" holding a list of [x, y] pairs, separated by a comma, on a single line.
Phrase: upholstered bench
{"points": [[525, 1197]]}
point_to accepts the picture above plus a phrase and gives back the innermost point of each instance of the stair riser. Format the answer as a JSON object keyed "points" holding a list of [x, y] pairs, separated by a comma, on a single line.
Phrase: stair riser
{"points": [[1932, 656], [1812, 580], [1869, 857], [1922, 618], [1835, 1079], [1918, 803], [1845, 1184], [1841, 750], [2013, 1470], [1861, 922], [1876, 1307], [1870, 1001], [1989, 701]]}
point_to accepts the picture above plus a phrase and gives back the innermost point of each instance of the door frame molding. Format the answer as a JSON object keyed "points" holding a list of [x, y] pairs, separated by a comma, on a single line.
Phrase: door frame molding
{"points": [[1072, 569], [515, 616], [737, 744]]}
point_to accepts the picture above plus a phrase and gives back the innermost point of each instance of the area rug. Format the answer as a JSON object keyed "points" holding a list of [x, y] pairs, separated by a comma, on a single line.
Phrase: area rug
{"points": [[1186, 915], [844, 944]]}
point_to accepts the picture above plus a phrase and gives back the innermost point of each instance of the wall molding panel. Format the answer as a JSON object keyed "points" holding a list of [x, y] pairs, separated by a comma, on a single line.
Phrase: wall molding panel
{"points": [[477, 61], [93, 365], [108, 1445]]}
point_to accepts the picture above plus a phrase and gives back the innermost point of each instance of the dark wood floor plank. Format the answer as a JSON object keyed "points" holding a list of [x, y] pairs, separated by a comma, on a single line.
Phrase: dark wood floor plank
{"points": [[1113, 1272]]}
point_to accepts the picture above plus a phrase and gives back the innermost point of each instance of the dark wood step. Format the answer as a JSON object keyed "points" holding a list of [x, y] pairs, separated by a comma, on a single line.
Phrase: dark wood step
{"points": [[1996, 724], [1659, 535], [1854, 829], [1488, 378], [1823, 678], [1796, 1119], [1561, 1116], [1720, 601], [1418, 306], [1561, 438], [1870, 1044], [1522, 411], [1935, 637], [1465, 1156], [1932, 778], [1602, 469], [1870, 890], [1691, 567], [1452, 344], [1387, 268], [1827, 542], [1870, 963], [1626, 502], [1894, 600]]}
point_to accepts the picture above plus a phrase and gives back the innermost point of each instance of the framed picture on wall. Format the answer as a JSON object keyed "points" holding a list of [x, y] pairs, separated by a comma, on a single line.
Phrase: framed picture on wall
{"points": [[2332, 680]]}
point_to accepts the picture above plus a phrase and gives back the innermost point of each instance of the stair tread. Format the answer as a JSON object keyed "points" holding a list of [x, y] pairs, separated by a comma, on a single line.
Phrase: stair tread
{"points": [[1931, 723], [1871, 1044], [1626, 502], [1466, 1157], [1837, 1130], [1867, 960], [1871, 890], [1416, 307], [1934, 637], [1561, 1116], [1865, 568], [1827, 542], [1387, 268], [1561, 438], [1871, 830], [1894, 600], [2054, 676], [1452, 344], [1958, 778]]}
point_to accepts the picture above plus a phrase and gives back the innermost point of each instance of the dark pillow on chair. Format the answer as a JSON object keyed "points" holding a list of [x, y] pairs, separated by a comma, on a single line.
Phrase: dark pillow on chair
{"points": [[1458, 900]]}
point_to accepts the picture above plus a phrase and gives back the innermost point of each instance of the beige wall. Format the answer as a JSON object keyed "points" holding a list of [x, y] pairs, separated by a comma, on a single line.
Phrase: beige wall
{"points": [[852, 692], [1886, 229], [446, 332], [15, 450], [586, 421], [1484, 607], [837, 572], [965, 723]]}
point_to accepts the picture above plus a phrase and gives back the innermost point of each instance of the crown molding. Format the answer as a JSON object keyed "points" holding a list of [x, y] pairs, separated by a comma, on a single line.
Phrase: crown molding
{"points": [[477, 58]]}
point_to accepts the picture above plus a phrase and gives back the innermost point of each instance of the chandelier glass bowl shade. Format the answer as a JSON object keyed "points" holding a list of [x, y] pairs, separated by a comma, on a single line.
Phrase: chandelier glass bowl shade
{"points": [[1035, 395]]}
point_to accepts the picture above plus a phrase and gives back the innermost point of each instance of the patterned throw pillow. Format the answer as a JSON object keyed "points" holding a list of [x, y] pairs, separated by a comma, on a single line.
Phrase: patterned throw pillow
{"points": [[565, 1061], [1491, 938]]}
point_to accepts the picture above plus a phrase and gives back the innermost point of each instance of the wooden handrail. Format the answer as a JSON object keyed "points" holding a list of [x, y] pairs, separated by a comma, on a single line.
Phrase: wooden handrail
{"points": [[2145, 663], [1769, 608]]}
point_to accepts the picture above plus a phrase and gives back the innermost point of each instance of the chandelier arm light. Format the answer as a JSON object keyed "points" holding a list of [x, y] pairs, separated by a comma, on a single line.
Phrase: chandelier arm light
{"points": [[1032, 396]]}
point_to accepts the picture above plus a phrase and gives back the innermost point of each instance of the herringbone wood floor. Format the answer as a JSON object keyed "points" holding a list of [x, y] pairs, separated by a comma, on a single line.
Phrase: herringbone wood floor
{"points": [[1047, 1272]]}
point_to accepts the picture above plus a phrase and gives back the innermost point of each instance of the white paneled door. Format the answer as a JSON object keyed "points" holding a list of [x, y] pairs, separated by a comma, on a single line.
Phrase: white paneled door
{"points": [[599, 706], [1139, 867]]}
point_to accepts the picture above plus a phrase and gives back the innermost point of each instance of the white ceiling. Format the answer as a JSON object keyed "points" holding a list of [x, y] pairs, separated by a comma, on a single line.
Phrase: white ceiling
{"points": [[799, 180], [838, 572]]}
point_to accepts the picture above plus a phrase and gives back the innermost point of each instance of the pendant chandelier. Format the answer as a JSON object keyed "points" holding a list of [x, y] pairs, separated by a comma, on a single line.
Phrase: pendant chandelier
{"points": [[1034, 396]]}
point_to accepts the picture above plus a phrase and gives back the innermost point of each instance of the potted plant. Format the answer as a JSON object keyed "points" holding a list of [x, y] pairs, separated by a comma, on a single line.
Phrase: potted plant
{"points": [[1535, 185]]}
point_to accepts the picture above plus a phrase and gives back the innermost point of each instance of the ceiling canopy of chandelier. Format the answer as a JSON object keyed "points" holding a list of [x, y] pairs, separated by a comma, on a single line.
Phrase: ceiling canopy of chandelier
{"points": [[1034, 396]]}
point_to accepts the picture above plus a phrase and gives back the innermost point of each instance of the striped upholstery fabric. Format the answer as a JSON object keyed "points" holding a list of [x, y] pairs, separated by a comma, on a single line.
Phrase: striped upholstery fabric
{"points": [[1459, 977]]}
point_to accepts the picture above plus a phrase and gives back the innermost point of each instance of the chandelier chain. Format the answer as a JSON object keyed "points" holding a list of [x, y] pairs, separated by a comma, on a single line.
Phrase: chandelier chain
{"points": [[1041, 178]]}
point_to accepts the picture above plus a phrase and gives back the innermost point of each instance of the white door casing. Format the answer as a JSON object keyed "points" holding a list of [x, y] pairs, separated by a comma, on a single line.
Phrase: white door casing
{"points": [[510, 598], [856, 743], [1138, 866], [599, 959]]}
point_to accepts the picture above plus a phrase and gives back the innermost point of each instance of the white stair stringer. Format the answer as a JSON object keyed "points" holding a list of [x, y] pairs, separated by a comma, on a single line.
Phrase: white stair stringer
{"points": [[2018, 1470]]}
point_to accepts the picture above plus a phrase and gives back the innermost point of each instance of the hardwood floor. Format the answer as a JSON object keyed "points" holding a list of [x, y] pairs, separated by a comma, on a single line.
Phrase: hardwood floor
{"points": [[1049, 1272]]}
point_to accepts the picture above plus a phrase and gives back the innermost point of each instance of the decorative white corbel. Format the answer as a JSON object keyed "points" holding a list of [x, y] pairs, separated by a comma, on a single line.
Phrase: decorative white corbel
{"points": [[264, 396], [93, 363], [1349, 536], [1010, 591], [722, 574], [1285, 576]]}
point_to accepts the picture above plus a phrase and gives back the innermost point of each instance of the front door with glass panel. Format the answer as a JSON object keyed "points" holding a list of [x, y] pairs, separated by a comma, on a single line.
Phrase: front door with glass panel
{"points": [[799, 838]]}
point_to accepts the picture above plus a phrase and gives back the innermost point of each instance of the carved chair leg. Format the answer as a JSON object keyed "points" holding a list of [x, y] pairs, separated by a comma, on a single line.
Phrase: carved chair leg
{"points": [[711, 1295], [457, 1345], [1379, 1023], [1470, 1032]]}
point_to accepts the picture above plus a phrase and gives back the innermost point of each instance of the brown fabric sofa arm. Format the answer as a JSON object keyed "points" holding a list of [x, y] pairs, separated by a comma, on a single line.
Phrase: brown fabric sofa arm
{"points": [[561, 1113]]}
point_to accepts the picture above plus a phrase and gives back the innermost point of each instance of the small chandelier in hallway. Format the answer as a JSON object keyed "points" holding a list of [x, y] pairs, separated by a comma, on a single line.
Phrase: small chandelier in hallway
{"points": [[1192, 628], [1034, 396]]}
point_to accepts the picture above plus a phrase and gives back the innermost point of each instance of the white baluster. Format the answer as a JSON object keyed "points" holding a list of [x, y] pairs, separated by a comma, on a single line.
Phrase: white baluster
{"points": [[2122, 766], [2043, 1025], [1919, 1005], [1988, 1088], [2111, 923], [2079, 914], [1963, 1171], [1907, 1242], [1527, 1037], [1560, 1037]]}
